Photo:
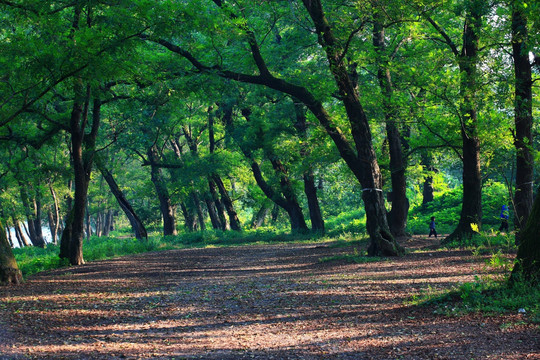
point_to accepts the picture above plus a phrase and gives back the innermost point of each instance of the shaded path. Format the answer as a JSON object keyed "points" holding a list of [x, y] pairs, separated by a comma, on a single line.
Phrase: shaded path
{"points": [[267, 302]]}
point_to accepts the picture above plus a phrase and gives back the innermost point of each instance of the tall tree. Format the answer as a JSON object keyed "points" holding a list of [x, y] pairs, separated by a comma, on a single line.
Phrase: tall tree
{"points": [[523, 117], [468, 61]]}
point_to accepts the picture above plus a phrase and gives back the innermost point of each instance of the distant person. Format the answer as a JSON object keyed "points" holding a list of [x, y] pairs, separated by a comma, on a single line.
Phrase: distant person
{"points": [[504, 218], [432, 230]]}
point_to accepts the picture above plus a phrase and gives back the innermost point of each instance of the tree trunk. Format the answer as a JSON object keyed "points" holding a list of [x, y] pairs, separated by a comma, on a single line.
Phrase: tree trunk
{"points": [[315, 215], [9, 271], [88, 230], [188, 219], [227, 203], [258, 218], [522, 117], [54, 216], [220, 209], [9, 238], [136, 224], [199, 209], [471, 209], [35, 234], [400, 204], [364, 164], [165, 205], [65, 238], [528, 257], [427, 189], [212, 212]]}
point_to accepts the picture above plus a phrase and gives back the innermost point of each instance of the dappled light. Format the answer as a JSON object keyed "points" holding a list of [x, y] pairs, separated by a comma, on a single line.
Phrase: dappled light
{"points": [[266, 301]]}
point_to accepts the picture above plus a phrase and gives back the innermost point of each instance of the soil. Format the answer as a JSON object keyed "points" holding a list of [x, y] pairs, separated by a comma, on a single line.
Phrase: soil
{"points": [[255, 302]]}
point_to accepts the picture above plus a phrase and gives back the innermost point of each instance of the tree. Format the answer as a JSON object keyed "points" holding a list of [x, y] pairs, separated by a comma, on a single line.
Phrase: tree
{"points": [[360, 155], [523, 117], [468, 61]]}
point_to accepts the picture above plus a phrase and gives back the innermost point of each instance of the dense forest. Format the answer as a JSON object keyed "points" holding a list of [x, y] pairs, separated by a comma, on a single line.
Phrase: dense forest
{"points": [[170, 117]]}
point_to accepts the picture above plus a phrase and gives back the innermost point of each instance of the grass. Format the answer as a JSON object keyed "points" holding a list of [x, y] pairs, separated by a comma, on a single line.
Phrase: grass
{"points": [[490, 293]]}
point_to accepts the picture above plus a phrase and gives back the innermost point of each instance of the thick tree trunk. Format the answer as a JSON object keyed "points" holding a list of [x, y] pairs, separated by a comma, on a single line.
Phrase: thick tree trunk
{"points": [[136, 224], [9, 271], [528, 257], [523, 117], [165, 205], [188, 218], [471, 210]]}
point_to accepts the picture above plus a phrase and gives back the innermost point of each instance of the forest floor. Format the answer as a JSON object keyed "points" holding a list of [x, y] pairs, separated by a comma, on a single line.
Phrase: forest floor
{"points": [[255, 302]]}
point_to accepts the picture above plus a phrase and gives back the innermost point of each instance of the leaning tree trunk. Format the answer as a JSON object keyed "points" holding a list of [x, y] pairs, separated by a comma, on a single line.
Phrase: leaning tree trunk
{"points": [[523, 118], [136, 223], [528, 257], [9, 271]]}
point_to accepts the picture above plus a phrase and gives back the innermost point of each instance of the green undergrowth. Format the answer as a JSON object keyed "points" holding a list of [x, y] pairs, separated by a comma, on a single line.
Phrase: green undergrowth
{"points": [[32, 260], [490, 293], [486, 243]]}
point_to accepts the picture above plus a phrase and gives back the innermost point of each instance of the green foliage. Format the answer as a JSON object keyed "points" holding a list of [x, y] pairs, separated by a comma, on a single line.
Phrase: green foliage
{"points": [[446, 208], [353, 221]]}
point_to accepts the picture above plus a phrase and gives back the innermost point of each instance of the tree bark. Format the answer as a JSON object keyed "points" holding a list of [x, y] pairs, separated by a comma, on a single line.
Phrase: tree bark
{"points": [[468, 60], [54, 217], [165, 205], [258, 218], [523, 118], [136, 223], [30, 209], [188, 218], [234, 222], [315, 214], [65, 238], [427, 188], [212, 212], [199, 209], [9, 271], [220, 209], [528, 257], [400, 204]]}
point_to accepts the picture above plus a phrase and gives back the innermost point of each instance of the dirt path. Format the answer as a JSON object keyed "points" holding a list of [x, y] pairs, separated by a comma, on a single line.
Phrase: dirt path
{"points": [[262, 302]]}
